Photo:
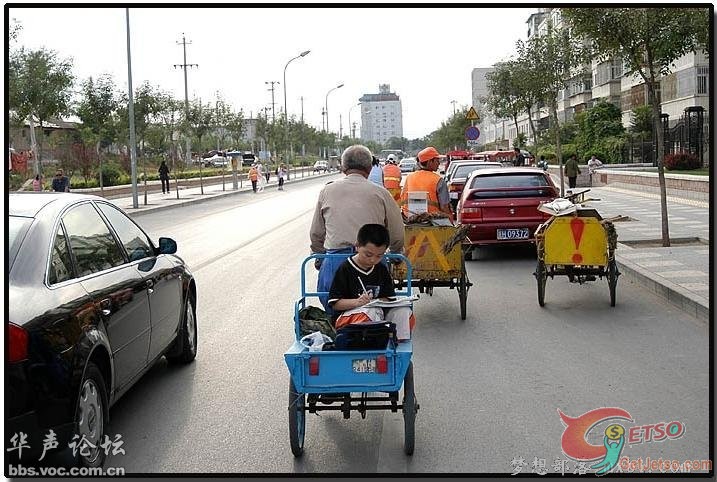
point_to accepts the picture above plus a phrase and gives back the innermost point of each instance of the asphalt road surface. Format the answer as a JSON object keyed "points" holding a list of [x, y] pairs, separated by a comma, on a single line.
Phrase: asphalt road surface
{"points": [[489, 387]]}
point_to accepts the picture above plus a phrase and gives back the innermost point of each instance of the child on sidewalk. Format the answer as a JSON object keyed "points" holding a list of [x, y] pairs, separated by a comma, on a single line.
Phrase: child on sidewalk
{"points": [[363, 277]]}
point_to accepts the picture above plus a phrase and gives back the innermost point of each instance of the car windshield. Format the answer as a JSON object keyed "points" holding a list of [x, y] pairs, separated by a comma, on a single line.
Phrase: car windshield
{"points": [[16, 229], [465, 170], [520, 185]]}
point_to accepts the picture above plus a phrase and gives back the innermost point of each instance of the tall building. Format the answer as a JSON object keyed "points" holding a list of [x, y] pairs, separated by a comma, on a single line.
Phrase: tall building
{"points": [[479, 90], [381, 115]]}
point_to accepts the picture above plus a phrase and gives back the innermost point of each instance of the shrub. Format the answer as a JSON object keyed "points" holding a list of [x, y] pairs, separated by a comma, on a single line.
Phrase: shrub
{"points": [[111, 173], [548, 152], [682, 161]]}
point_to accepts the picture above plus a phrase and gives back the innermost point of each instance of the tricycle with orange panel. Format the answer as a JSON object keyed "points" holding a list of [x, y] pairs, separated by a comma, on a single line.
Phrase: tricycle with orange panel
{"points": [[436, 261], [580, 245]]}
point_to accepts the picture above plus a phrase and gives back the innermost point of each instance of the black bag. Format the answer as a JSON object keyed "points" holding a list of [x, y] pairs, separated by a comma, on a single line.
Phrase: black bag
{"points": [[365, 336]]}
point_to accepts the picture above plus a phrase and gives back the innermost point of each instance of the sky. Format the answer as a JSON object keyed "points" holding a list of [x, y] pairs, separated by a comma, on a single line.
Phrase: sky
{"points": [[425, 53]]}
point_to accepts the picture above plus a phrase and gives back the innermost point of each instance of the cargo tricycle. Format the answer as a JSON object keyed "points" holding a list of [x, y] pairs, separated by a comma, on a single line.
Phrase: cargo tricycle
{"points": [[356, 380]]}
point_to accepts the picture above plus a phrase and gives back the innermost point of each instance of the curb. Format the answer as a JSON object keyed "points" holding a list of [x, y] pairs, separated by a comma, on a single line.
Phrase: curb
{"points": [[140, 211], [667, 290]]}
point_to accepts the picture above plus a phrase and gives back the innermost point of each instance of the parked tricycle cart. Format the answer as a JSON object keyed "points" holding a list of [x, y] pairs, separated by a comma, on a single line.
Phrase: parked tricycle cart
{"points": [[581, 246], [434, 266], [348, 380]]}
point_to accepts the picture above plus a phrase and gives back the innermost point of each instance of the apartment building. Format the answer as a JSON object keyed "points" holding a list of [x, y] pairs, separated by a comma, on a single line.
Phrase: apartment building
{"points": [[381, 115], [686, 86]]}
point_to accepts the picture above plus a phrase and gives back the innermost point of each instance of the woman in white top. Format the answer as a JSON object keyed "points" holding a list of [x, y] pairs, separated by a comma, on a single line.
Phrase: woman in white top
{"points": [[376, 174]]}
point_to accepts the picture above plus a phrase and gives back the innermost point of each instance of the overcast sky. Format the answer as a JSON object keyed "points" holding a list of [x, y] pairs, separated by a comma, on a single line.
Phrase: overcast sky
{"points": [[425, 54]]}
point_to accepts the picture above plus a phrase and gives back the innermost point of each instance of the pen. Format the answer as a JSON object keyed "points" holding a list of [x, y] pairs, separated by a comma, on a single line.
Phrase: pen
{"points": [[362, 285]]}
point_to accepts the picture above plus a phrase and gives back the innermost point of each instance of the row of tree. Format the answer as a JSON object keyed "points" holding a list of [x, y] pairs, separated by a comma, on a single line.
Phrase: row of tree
{"points": [[646, 40]]}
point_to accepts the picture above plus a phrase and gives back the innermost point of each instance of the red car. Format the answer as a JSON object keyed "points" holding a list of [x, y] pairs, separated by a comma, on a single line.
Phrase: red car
{"points": [[501, 205]]}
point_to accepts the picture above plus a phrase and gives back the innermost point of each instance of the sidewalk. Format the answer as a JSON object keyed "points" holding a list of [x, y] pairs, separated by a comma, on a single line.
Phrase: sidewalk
{"points": [[679, 274], [156, 201]]}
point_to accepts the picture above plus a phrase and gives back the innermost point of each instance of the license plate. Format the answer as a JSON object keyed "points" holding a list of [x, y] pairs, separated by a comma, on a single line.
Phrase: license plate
{"points": [[517, 233], [364, 366], [453, 195]]}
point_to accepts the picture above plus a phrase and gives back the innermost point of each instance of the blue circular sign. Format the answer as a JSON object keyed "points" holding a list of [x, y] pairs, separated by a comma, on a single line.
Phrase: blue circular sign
{"points": [[472, 133]]}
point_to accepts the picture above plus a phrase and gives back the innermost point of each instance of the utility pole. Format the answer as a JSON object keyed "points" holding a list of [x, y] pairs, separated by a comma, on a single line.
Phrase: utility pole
{"points": [[132, 139], [341, 128], [454, 106], [272, 82], [353, 130], [184, 66], [302, 109]]}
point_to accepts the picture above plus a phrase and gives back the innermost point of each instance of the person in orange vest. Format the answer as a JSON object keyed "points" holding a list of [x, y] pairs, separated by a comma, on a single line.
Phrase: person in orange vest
{"points": [[392, 177], [426, 179], [253, 176]]}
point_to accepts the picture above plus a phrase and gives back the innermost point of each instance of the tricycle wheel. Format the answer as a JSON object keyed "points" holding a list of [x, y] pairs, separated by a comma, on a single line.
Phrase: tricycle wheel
{"points": [[541, 275], [409, 412], [463, 290], [297, 419], [612, 274]]}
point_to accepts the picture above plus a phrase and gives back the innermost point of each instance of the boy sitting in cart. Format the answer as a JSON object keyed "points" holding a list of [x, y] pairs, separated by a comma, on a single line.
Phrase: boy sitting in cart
{"points": [[362, 278]]}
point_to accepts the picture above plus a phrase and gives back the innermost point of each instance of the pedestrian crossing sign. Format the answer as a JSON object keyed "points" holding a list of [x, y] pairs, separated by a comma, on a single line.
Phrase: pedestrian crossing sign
{"points": [[472, 114]]}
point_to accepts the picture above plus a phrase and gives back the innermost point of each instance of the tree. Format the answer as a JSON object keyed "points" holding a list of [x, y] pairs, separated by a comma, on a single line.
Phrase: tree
{"points": [[235, 127], [649, 40], [641, 122], [451, 134], [554, 56], [98, 110], [39, 88], [505, 95], [598, 126], [397, 143]]}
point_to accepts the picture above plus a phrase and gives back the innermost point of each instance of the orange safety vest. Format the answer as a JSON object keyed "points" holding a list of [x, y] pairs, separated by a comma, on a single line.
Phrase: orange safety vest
{"points": [[392, 180], [391, 176], [421, 181], [253, 174]]}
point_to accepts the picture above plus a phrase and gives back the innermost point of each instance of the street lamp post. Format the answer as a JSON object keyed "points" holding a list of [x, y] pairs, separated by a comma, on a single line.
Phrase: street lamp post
{"points": [[286, 112], [326, 105], [351, 133], [326, 109]]}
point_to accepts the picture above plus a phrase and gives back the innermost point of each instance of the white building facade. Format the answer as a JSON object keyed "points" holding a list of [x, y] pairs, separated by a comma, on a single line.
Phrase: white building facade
{"points": [[686, 86], [381, 115]]}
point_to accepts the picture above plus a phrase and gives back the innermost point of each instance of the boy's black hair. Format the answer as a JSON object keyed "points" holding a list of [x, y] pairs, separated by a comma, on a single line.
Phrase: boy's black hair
{"points": [[376, 234]]}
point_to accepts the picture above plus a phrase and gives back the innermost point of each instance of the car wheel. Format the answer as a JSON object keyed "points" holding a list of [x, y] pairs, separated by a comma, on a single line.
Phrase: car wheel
{"points": [[91, 417], [187, 336]]}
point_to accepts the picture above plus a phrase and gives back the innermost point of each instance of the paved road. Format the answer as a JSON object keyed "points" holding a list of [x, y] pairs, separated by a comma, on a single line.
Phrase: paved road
{"points": [[489, 387]]}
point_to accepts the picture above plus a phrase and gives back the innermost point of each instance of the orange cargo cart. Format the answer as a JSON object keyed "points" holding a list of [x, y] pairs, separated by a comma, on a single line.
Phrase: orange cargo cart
{"points": [[437, 260]]}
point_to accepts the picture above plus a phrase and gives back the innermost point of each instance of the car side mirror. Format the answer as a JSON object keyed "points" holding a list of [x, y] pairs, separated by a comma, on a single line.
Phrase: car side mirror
{"points": [[167, 246]]}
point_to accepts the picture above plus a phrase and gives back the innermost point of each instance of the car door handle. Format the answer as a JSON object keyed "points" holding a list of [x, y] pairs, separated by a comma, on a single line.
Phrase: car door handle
{"points": [[106, 306], [150, 285]]}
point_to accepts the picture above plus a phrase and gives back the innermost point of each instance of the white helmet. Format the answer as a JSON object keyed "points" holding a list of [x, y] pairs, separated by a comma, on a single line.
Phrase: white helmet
{"points": [[391, 158]]}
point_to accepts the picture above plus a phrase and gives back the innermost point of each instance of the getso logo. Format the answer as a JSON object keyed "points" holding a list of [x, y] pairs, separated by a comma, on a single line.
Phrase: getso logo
{"points": [[576, 446]]}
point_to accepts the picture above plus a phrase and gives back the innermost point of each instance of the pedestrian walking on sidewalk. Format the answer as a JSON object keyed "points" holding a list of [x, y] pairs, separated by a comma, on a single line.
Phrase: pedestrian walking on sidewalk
{"points": [[593, 165], [571, 171], [164, 177], [261, 180], [281, 174], [253, 177]]}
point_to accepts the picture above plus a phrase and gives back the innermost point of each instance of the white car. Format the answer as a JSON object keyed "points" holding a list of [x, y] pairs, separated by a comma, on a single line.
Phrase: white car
{"points": [[321, 166], [408, 164], [216, 161]]}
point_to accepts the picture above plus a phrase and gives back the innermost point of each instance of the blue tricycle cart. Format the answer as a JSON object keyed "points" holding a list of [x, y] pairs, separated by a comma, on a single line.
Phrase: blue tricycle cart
{"points": [[348, 380]]}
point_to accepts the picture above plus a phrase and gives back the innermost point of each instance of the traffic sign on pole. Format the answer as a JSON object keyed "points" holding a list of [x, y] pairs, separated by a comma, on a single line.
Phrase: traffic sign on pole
{"points": [[472, 133], [472, 114]]}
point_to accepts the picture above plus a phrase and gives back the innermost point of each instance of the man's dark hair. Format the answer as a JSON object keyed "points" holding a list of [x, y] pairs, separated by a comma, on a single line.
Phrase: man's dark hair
{"points": [[516, 149], [376, 234]]}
